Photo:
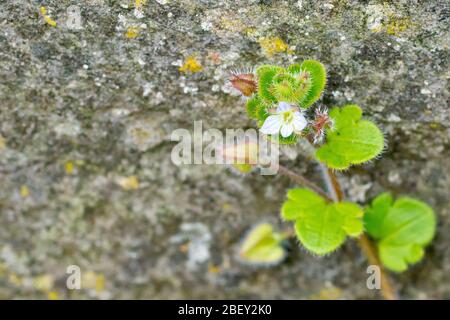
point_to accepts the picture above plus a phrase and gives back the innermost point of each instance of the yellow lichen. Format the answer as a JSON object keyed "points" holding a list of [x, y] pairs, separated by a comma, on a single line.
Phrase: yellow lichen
{"points": [[129, 183], [396, 25], [69, 167], [53, 295], [140, 135], [3, 270], [331, 293], [213, 268], [250, 31], [132, 32], [100, 283], [138, 4], [377, 29], [191, 64], [24, 191], [15, 279], [43, 282], [93, 280], [273, 45], [2, 143], [47, 19], [232, 23], [435, 125], [226, 206]]}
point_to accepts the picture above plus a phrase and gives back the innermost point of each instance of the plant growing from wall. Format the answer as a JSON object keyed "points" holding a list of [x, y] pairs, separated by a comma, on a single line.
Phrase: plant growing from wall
{"points": [[278, 99]]}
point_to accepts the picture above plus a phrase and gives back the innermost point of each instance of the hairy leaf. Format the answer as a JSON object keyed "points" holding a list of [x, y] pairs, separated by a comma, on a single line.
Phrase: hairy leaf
{"points": [[403, 228], [318, 78], [253, 107], [320, 226], [374, 215], [300, 202], [262, 246], [351, 140], [285, 87], [265, 74], [292, 139], [294, 68]]}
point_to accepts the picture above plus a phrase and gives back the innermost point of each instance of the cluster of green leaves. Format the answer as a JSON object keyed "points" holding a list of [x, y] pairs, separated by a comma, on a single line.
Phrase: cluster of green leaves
{"points": [[321, 226], [402, 229], [298, 84], [351, 140]]}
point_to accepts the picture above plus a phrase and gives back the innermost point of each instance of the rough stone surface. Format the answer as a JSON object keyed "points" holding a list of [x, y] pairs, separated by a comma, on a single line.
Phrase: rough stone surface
{"points": [[85, 123]]}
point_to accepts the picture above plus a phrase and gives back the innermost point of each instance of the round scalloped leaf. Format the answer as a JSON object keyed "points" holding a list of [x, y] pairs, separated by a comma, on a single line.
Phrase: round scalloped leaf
{"points": [[351, 140], [321, 227], [318, 77], [300, 201], [265, 74], [403, 228], [262, 246]]}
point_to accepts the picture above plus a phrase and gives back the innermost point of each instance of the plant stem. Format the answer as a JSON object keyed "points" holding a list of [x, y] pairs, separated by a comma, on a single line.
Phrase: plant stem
{"points": [[387, 290], [303, 181], [366, 245]]}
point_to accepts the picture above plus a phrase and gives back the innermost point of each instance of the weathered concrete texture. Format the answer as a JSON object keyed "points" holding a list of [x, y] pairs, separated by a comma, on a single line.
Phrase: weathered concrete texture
{"points": [[85, 123]]}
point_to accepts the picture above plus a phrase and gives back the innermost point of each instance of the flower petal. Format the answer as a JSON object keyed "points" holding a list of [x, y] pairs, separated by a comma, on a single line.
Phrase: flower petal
{"points": [[283, 106], [286, 130], [272, 124], [299, 122]]}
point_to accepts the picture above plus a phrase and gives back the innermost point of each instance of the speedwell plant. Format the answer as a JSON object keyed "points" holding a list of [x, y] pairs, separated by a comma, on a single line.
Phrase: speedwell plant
{"points": [[278, 98]]}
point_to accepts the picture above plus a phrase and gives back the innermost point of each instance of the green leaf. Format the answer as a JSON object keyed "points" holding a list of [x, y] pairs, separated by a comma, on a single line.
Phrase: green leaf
{"points": [[265, 74], [351, 140], [374, 215], [320, 226], [292, 139], [294, 68], [262, 246], [403, 228], [318, 78], [300, 202], [243, 168], [253, 106], [285, 87]]}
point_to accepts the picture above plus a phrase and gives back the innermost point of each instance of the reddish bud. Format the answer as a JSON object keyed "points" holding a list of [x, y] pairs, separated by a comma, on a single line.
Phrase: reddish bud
{"points": [[245, 83], [321, 122]]}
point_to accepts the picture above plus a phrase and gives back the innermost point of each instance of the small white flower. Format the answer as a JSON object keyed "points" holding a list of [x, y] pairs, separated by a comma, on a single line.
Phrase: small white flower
{"points": [[286, 120]]}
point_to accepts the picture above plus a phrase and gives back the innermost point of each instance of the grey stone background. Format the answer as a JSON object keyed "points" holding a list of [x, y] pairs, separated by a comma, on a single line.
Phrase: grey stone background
{"points": [[82, 111]]}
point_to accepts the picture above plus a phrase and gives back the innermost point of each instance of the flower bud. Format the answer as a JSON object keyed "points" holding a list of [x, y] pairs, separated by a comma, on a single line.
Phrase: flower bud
{"points": [[321, 122], [245, 153], [245, 83]]}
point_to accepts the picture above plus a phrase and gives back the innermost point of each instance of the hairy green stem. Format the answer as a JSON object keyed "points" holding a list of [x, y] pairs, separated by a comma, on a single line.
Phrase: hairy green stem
{"points": [[299, 179]]}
